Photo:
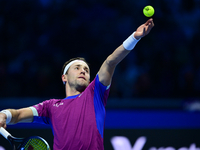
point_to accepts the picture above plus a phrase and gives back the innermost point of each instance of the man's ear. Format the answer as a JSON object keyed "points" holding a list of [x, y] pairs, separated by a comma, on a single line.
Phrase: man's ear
{"points": [[64, 78]]}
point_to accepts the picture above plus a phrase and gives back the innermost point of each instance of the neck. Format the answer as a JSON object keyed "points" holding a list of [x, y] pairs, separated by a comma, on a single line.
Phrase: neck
{"points": [[71, 91]]}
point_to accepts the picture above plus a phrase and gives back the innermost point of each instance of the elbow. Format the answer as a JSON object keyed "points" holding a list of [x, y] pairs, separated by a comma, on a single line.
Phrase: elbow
{"points": [[111, 62]]}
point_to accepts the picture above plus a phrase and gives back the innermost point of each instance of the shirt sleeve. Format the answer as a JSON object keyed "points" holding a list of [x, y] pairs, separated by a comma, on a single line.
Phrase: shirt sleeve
{"points": [[101, 91], [41, 113]]}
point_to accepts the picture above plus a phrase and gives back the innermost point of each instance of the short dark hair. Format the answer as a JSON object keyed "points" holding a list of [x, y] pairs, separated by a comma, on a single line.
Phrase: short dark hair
{"points": [[72, 59]]}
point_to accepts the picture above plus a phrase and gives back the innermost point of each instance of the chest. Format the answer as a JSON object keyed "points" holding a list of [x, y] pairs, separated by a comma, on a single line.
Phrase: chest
{"points": [[73, 110]]}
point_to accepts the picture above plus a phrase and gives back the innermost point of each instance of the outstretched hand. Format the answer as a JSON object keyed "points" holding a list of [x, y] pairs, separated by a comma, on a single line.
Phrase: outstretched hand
{"points": [[144, 29]]}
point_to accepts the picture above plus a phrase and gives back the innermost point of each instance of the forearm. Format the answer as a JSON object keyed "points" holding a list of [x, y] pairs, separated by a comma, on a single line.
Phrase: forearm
{"points": [[15, 116], [20, 115], [107, 69], [117, 56], [122, 51], [10, 116]]}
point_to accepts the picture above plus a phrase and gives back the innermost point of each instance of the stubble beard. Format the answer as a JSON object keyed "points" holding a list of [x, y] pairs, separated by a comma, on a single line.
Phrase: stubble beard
{"points": [[79, 85]]}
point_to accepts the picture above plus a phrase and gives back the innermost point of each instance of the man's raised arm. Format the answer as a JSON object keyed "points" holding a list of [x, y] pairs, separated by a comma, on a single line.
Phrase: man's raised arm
{"points": [[107, 69]]}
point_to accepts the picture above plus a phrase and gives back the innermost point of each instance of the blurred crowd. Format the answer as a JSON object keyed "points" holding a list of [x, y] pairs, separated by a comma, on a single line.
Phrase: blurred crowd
{"points": [[38, 36]]}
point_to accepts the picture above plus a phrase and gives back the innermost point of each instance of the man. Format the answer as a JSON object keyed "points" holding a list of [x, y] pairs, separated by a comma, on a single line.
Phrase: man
{"points": [[78, 120]]}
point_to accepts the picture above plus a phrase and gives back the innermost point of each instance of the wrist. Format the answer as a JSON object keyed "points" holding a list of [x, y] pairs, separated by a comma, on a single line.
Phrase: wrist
{"points": [[136, 37], [8, 115], [130, 42]]}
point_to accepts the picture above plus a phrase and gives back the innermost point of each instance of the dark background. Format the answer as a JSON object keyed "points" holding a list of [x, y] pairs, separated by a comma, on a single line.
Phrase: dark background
{"points": [[38, 36], [161, 73]]}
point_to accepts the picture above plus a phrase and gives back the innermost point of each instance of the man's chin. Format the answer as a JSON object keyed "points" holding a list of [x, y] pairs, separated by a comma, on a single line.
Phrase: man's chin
{"points": [[81, 87], [83, 83]]}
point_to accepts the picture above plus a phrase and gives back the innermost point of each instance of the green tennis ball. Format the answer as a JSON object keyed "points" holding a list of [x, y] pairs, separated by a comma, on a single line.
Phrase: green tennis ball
{"points": [[148, 11]]}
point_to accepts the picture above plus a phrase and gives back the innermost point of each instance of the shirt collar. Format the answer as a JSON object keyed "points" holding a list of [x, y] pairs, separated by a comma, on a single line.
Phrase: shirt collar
{"points": [[71, 97]]}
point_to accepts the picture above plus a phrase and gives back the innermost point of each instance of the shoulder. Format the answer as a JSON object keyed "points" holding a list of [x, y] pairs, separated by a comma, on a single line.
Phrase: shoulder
{"points": [[46, 103], [101, 84], [97, 84]]}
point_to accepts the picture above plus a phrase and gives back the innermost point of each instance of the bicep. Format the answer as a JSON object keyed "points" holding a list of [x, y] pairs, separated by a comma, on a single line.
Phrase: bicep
{"points": [[105, 74], [108, 67]]}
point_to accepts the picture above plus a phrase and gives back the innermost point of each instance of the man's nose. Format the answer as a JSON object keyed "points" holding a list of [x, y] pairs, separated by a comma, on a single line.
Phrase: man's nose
{"points": [[83, 71]]}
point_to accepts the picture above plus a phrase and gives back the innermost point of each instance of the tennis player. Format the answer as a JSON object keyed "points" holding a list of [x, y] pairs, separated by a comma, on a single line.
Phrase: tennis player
{"points": [[78, 120]]}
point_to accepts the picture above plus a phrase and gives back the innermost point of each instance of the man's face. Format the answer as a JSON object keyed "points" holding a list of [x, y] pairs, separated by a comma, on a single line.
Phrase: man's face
{"points": [[78, 76]]}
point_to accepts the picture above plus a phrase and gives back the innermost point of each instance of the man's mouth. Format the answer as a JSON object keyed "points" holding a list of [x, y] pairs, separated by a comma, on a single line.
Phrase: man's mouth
{"points": [[82, 78]]}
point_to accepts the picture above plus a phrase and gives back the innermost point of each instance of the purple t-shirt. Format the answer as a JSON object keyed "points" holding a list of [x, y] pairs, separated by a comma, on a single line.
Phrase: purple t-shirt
{"points": [[77, 121]]}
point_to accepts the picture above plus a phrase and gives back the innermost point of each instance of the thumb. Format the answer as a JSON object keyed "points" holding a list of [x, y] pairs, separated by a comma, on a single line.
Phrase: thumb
{"points": [[143, 32], [5, 126]]}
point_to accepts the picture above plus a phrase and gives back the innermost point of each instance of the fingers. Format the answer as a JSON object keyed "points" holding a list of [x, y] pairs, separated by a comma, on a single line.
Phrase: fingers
{"points": [[3, 125], [144, 32], [145, 28], [150, 23], [148, 26], [2, 120]]}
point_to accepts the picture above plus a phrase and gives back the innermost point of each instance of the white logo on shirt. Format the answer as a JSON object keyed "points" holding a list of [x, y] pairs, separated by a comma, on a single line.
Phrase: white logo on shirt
{"points": [[57, 105], [39, 104]]}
